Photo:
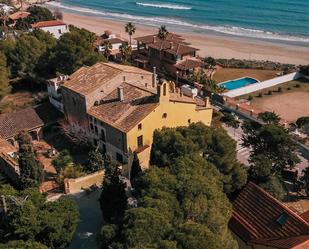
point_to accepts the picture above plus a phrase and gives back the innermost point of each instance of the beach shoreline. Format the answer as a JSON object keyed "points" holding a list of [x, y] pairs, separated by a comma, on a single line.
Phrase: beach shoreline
{"points": [[209, 45]]}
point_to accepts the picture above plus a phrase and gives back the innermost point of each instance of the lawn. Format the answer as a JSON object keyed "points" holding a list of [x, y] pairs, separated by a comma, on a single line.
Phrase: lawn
{"points": [[290, 100], [225, 74]]}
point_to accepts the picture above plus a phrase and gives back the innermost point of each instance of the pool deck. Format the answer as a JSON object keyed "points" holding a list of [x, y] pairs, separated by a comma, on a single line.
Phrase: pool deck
{"points": [[261, 85]]}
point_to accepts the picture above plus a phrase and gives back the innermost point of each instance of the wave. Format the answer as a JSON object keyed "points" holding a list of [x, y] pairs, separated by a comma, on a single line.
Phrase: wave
{"points": [[164, 6], [155, 21]]}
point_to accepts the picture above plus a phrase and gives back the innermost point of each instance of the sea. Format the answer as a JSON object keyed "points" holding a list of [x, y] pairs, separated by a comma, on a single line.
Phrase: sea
{"points": [[277, 20]]}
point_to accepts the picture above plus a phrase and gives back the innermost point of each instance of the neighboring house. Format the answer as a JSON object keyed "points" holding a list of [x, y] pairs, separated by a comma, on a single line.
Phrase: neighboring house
{"points": [[260, 221], [54, 91], [8, 161], [118, 107], [31, 119], [115, 40], [55, 27], [172, 55], [13, 18]]}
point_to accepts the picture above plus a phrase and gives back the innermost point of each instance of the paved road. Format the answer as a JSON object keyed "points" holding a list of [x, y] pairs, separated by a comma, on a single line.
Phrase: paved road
{"points": [[90, 221]]}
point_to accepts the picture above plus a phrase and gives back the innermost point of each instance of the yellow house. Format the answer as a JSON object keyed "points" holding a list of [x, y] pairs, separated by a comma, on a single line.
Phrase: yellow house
{"points": [[126, 119]]}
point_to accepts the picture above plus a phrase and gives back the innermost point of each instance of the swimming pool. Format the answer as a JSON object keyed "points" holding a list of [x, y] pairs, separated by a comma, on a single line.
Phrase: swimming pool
{"points": [[238, 83]]}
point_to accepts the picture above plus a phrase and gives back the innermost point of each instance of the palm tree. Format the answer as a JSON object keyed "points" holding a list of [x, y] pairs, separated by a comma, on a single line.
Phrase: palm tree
{"points": [[125, 51], [130, 29], [162, 33], [107, 48]]}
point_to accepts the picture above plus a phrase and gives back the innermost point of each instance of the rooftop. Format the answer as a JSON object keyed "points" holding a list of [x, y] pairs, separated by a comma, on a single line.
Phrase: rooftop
{"points": [[47, 24], [139, 101], [27, 119], [173, 47], [6, 147], [259, 218], [19, 15], [189, 64], [88, 79], [124, 115], [148, 39]]}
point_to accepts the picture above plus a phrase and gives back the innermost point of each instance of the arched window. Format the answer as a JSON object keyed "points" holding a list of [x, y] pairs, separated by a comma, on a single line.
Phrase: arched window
{"points": [[164, 89]]}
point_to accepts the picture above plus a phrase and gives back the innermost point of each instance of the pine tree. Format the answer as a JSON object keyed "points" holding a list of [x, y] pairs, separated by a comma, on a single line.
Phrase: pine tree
{"points": [[135, 168], [96, 160]]}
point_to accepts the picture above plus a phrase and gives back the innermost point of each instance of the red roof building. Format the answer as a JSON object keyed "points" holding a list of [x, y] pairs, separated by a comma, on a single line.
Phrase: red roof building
{"points": [[260, 221]]}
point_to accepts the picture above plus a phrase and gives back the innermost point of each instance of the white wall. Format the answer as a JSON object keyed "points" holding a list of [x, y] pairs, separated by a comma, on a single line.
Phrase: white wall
{"points": [[262, 85], [56, 31]]}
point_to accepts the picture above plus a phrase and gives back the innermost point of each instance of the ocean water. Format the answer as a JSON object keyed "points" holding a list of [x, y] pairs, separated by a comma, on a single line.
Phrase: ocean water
{"points": [[282, 20]]}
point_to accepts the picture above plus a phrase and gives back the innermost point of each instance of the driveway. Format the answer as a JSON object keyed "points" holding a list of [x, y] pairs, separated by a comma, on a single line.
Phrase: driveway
{"points": [[90, 221]]}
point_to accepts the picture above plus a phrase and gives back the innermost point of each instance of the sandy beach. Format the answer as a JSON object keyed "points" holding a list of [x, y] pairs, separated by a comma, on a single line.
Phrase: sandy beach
{"points": [[209, 45]]}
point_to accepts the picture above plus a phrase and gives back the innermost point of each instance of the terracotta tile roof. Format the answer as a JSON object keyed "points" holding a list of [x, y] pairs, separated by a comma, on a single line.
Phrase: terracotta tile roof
{"points": [[124, 115], [189, 64], [305, 216], [6, 147], [173, 47], [148, 39], [87, 79], [47, 24], [256, 216], [115, 40], [27, 119], [19, 15]]}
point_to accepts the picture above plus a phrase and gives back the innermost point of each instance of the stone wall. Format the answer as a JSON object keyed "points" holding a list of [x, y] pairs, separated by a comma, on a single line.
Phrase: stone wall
{"points": [[73, 186]]}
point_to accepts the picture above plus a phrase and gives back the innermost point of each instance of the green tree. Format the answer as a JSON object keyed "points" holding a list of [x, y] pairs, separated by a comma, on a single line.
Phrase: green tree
{"points": [[75, 49], [58, 221], [63, 160], [32, 219], [20, 244], [130, 29], [210, 61], [230, 120], [107, 48], [162, 32], [135, 168], [31, 171], [95, 160], [113, 198], [213, 144], [269, 117], [5, 87], [272, 141], [38, 14], [304, 70], [125, 51]]}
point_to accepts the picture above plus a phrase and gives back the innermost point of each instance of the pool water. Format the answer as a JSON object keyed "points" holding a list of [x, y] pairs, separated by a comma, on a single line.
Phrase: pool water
{"points": [[235, 84]]}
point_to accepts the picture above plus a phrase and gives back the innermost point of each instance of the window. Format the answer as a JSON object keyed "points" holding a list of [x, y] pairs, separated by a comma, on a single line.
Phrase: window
{"points": [[142, 77], [164, 89], [91, 127], [74, 101], [189, 121], [59, 31], [104, 148], [103, 137], [96, 130], [119, 157], [140, 141], [90, 118], [164, 115], [95, 142], [139, 126], [124, 78]]}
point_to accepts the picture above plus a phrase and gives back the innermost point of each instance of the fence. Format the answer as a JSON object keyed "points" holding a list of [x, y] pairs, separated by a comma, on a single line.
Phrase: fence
{"points": [[262, 85], [72, 186]]}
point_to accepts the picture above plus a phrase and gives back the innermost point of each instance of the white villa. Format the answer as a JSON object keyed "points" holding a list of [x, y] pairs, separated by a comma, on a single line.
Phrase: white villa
{"points": [[55, 27]]}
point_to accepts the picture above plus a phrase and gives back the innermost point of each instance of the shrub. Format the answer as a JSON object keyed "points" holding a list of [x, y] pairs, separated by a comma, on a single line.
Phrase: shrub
{"points": [[250, 97], [260, 95]]}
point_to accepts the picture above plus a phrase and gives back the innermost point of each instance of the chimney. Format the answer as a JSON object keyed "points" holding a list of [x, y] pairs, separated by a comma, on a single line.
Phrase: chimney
{"points": [[154, 77], [120, 94], [171, 45]]}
